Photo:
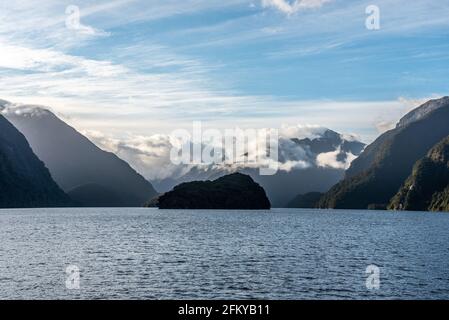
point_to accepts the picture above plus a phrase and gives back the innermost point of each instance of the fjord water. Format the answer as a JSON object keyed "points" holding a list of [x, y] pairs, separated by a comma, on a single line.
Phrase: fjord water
{"points": [[277, 254]]}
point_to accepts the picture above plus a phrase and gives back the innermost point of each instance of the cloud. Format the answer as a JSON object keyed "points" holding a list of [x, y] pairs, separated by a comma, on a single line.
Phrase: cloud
{"points": [[331, 160], [384, 126], [150, 155], [301, 131], [147, 84], [53, 62], [410, 103], [290, 7], [22, 110]]}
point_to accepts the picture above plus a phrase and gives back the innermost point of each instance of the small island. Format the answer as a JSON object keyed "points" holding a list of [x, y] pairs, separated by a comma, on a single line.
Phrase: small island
{"points": [[234, 191]]}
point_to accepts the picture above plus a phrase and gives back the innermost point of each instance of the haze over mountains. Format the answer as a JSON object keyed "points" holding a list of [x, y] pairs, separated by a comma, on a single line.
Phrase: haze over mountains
{"points": [[91, 176], [310, 159]]}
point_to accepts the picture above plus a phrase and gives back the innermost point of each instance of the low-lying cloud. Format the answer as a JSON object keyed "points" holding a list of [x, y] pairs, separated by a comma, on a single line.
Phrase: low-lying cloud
{"points": [[150, 155]]}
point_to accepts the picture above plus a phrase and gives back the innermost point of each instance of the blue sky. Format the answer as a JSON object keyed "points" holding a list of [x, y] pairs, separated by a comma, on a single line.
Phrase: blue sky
{"points": [[146, 67]]}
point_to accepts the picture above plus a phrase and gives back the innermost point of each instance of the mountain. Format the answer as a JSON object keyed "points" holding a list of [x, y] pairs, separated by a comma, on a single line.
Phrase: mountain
{"points": [[93, 195], [25, 182], [308, 200], [312, 172], [331, 141], [282, 187], [427, 188], [80, 168], [378, 173], [234, 191], [422, 111]]}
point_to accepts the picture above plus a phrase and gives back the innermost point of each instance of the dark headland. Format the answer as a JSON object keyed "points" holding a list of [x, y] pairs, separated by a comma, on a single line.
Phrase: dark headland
{"points": [[234, 191]]}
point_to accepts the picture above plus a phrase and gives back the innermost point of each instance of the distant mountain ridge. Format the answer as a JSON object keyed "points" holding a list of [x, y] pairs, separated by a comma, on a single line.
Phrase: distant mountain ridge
{"points": [[331, 141], [307, 201], [282, 187], [422, 111], [76, 163], [378, 173], [25, 182]]}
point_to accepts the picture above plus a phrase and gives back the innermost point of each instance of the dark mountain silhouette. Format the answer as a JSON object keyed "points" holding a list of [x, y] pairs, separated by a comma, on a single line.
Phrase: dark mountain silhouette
{"points": [[282, 187], [78, 165], [308, 200], [25, 182], [427, 188], [378, 173], [93, 195], [234, 191]]}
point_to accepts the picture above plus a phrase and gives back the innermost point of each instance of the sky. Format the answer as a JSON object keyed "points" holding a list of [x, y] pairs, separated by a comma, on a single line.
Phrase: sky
{"points": [[138, 68]]}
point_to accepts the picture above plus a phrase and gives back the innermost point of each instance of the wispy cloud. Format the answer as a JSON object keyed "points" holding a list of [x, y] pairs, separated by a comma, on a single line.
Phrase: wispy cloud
{"points": [[290, 7], [150, 66]]}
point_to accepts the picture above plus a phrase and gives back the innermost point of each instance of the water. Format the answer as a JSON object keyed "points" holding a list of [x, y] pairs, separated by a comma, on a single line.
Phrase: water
{"points": [[277, 254]]}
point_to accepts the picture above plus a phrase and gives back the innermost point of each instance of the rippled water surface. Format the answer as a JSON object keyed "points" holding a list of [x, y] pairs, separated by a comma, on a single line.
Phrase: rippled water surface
{"points": [[277, 254]]}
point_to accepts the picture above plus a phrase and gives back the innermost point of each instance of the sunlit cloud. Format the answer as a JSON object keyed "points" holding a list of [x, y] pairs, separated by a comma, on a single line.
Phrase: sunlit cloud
{"points": [[147, 67], [290, 7]]}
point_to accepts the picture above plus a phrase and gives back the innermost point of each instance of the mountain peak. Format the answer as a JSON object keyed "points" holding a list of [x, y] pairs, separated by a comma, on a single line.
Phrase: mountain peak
{"points": [[330, 141], [422, 111], [27, 111], [75, 162], [3, 103]]}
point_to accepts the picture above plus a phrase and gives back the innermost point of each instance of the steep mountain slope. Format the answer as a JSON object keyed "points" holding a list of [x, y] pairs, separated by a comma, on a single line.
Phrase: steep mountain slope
{"points": [[427, 187], [24, 180], [74, 161], [377, 174], [93, 195]]}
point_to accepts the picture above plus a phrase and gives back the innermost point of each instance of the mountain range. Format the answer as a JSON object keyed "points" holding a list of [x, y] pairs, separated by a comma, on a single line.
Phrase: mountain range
{"points": [[380, 171], [322, 157], [90, 176], [45, 162], [95, 178]]}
